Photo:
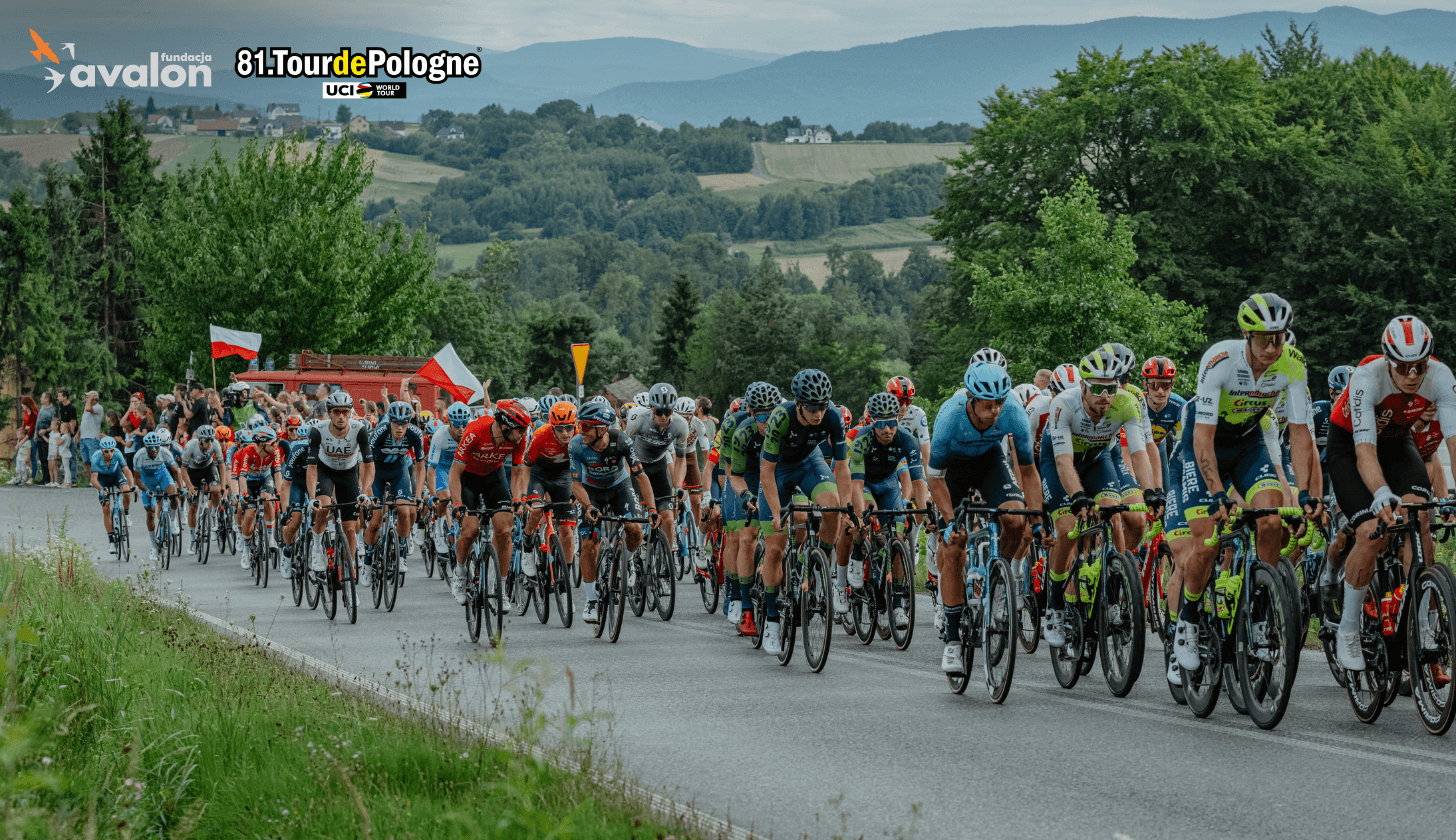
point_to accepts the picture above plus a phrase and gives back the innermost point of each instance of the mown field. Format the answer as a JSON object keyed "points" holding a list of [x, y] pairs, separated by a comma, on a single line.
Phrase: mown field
{"points": [[845, 163]]}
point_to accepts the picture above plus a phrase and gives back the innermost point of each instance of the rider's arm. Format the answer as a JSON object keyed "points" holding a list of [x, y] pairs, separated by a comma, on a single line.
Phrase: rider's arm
{"points": [[769, 458], [457, 470], [366, 467]]}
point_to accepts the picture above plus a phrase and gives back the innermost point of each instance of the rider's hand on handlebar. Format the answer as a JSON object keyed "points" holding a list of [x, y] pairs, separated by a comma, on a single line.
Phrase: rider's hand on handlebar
{"points": [[1082, 506], [591, 513], [1385, 505], [1218, 509]]}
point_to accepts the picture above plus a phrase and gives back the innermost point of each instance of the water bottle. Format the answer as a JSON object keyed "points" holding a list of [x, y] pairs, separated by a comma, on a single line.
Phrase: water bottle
{"points": [[1389, 605], [1220, 594]]}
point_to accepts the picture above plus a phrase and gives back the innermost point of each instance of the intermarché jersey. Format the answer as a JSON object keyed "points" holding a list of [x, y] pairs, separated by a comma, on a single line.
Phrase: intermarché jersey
{"points": [[607, 468], [872, 462], [390, 454], [1372, 407], [955, 437], [1230, 398], [650, 442], [479, 451], [788, 441], [1072, 431], [340, 453]]}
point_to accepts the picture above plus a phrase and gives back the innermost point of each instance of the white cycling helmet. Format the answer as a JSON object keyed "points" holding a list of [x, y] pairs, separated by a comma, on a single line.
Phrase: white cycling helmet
{"points": [[166, 434], [1026, 393], [1064, 376], [1406, 339], [989, 354], [685, 405], [529, 404]]}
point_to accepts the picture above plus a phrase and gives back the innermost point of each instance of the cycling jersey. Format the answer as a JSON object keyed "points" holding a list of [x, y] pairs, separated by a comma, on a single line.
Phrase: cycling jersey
{"points": [[547, 455], [607, 468], [918, 424], [1229, 397], [391, 454], [295, 462], [1320, 414], [1166, 421], [1038, 411], [194, 457], [442, 449], [1428, 440], [479, 451], [872, 462], [790, 442], [100, 467], [340, 453], [956, 438], [650, 442], [745, 452], [152, 469], [1378, 409], [255, 465], [1072, 431]]}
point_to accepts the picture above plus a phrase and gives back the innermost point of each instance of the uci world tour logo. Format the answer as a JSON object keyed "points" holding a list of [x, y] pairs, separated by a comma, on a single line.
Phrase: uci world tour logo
{"points": [[184, 69]]}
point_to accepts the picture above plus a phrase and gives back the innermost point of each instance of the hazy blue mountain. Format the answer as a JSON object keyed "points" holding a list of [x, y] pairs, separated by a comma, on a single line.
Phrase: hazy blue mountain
{"points": [[945, 76], [581, 68]]}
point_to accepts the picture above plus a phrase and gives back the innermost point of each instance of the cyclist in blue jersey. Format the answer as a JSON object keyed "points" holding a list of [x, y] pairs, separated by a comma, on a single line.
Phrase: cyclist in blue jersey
{"points": [[966, 455], [743, 455], [1164, 408], [156, 473], [442, 454], [399, 464], [792, 461], [108, 470], [293, 487]]}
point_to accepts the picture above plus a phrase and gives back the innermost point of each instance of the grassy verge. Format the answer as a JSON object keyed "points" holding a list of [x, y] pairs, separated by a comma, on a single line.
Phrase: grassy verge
{"points": [[126, 719]]}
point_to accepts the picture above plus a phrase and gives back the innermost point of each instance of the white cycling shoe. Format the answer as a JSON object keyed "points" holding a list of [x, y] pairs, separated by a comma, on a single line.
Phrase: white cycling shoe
{"points": [[841, 601], [772, 640], [589, 612], [318, 560], [1175, 674], [1349, 650], [856, 574], [953, 661], [700, 559], [900, 618], [735, 613], [1185, 646], [366, 577], [457, 589], [939, 620], [1051, 628], [528, 563]]}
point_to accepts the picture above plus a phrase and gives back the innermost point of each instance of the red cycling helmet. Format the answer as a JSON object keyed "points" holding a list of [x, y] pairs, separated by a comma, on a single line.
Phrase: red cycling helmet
{"points": [[735, 406], [294, 420], [512, 415], [1159, 367], [847, 415], [901, 388]]}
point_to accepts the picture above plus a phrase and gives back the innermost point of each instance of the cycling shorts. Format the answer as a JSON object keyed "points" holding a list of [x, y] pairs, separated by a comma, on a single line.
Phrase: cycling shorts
{"points": [[204, 477], [155, 487], [1400, 463], [1287, 456], [809, 477], [107, 481], [297, 495], [735, 516], [1099, 481], [987, 473], [887, 496], [659, 476], [1244, 467], [340, 485], [442, 479], [1127, 484], [256, 487], [556, 489], [692, 476], [1175, 522], [617, 500], [485, 492], [401, 484]]}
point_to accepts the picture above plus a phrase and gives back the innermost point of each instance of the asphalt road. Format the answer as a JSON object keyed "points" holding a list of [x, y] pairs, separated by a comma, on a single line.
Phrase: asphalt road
{"points": [[876, 745]]}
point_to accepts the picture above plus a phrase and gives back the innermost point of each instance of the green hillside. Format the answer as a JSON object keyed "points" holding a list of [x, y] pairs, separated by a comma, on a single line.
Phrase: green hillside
{"points": [[845, 163]]}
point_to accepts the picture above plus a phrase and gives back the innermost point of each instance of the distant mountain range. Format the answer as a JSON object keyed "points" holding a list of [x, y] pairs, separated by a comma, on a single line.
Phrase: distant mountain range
{"points": [[919, 80]]}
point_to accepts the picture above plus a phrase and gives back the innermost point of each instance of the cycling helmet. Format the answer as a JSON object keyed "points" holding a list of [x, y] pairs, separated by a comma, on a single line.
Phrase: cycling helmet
{"points": [[530, 405], [400, 412], [1289, 337], [987, 381], [432, 425], [109, 443], [989, 354], [900, 387], [1126, 359], [224, 433], [884, 404], [640, 399], [847, 415], [339, 399], [562, 413], [685, 405], [571, 398], [427, 416], [1064, 376], [596, 414], [762, 396], [1026, 393], [459, 414], [245, 436], [546, 403], [512, 415], [294, 420], [1340, 377], [1265, 312], [811, 386], [1406, 339], [1159, 367], [735, 406], [662, 395], [597, 399], [1100, 364], [264, 435], [165, 434], [256, 420], [152, 440]]}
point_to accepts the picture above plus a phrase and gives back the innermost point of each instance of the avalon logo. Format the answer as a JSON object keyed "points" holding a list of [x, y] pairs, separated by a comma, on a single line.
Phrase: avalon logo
{"points": [[132, 75]]}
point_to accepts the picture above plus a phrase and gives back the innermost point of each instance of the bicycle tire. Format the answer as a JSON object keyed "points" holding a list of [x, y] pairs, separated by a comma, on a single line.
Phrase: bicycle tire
{"points": [[175, 529], [903, 587], [560, 582], [635, 581], [576, 567], [758, 604], [474, 601], [331, 585], [349, 587], [312, 591], [1266, 606], [427, 552], [1028, 616], [233, 540], [1234, 688], [1366, 690], [123, 542], [296, 578], [998, 644], [1296, 633], [166, 548], [708, 586], [204, 534], [603, 587], [617, 589], [662, 564], [815, 606], [376, 568], [860, 622], [1067, 659], [1121, 627], [390, 585], [1202, 685], [788, 602], [518, 594], [543, 582], [493, 588], [265, 560], [959, 682], [1434, 593]]}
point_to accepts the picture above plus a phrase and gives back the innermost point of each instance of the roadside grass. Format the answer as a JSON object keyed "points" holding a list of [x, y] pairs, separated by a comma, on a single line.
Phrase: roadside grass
{"points": [[123, 718]]}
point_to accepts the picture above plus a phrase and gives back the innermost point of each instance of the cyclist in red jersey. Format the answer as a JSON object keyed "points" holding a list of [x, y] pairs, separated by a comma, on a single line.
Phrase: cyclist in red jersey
{"points": [[550, 477], [477, 482]]}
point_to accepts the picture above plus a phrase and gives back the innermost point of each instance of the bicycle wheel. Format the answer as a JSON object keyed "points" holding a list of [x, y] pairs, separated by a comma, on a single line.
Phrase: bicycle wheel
{"points": [[330, 586], [166, 549], [998, 645], [1295, 631], [1201, 686], [427, 550], [265, 559], [1263, 653], [576, 567], [1430, 639], [518, 593], [708, 585], [493, 590], [1235, 688], [815, 607], [311, 587], [474, 600], [788, 602], [232, 536], [123, 539], [862, 616], [390, 584], [617, 589], [175, 529], [635, 581], [758, 604], [376, 568], [959, 682], [204, 534], [1028, 616], [1121, 634], [542, 582], [1067, 659], [560, 583], [663, 578], [901, 592], [1367, 689], [349, 580]]}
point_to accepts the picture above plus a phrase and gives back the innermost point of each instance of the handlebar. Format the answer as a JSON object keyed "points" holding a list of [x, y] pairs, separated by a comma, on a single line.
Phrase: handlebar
{"points": [[1247, 515], [1106, 513]]}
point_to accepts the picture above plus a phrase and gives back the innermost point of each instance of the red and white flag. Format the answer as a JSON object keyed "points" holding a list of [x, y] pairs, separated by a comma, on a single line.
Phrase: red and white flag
{"points": [[227, 342], [451, 374]]}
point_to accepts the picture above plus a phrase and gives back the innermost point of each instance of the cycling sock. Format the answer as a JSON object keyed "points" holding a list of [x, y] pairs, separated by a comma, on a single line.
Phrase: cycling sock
{"points": [[1057, 597], [827, 548], [953, 623], [733, 589], [841, 576], [1191, 606], [770, 603], [1354, 605]]}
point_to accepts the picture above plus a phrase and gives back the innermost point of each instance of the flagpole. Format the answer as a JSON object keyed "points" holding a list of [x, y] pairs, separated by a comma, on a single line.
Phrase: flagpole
{"points": [[214, 373]]}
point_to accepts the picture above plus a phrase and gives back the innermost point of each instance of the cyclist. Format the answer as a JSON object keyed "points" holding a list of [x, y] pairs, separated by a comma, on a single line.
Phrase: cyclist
{"points": [[732, 515], [660, 441], [292, 486], [1164, 407], [1375, 464], [340, 462], [913, 417], [792, 461], [601, 460], [202, 459], [108, 470], [744, 454], [1077, 470], [156, 471], [477, 483], [966, 454], [550, 479], [442, 455], [1224, 448], [399, 450], [257, 470], [691, 480], [1130, 526], [874, 460]]}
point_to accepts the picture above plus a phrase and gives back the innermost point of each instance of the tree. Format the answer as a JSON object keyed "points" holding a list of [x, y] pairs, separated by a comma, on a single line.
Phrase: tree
{"points": [[71, 123], [675, 329], [746, 335], [7, 120], [1076, 293], [344, 114], [151, 105], [268, 239]]}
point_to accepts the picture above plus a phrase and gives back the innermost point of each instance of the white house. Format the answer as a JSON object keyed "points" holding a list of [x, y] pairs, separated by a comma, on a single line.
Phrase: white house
{"points": [[159, 121], [454, 132], [284, 109], [332, 130], [809, 134]]}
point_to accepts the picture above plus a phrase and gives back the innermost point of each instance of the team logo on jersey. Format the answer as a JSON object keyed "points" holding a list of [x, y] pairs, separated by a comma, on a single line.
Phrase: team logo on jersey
{"points": [[1212, 363]]}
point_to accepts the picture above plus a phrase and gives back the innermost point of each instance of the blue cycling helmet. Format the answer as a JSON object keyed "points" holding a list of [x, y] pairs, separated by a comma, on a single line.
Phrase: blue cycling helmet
{"points": [[1340, 377], [987, 381], [544, 405], [459, 414], [264, 435], [596, 414], [401, 412], [152, 440], [108, 444]]}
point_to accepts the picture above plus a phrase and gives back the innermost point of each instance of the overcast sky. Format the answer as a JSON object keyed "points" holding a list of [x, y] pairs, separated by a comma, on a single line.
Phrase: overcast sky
{"points": [[776, 26]]}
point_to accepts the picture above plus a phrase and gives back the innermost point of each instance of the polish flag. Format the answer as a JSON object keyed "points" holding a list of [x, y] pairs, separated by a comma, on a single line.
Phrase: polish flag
{"points": [[451, 374], [227, 342]]}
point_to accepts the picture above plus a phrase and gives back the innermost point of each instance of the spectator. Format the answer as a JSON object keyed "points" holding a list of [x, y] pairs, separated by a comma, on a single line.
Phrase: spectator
{"points": [[66, 413], [137, 410], [27, 425], [60, 454], [42, 440], [710, 423], [221, 414], [1043, 379], [113, 427], [199, 413], [93, 416]]}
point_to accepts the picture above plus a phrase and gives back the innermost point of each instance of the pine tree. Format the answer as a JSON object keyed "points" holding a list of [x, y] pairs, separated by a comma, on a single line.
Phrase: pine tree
{"points": [[151, 105], [675, 328]]}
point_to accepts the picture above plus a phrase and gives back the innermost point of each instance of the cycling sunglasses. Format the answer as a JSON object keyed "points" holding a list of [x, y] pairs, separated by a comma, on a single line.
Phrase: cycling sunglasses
{"points": [[813, 408], [887, 424], [1102, 390], [662, 412], [460, 425], [1410, 368], [763, 418]]}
